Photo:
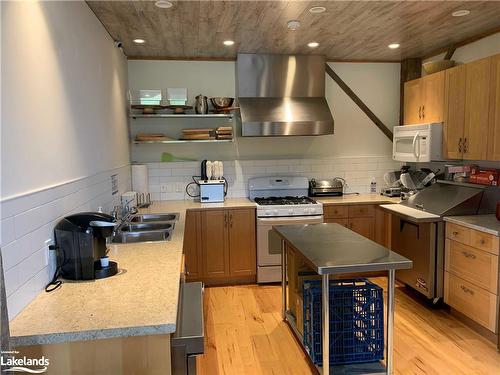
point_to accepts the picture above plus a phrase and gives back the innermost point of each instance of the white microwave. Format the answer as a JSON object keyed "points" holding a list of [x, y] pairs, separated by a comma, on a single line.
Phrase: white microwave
{"points": [[418, 143]]}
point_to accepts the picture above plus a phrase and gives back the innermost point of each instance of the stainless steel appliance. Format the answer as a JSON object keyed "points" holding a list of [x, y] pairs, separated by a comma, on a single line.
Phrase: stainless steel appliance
{"points": [[417, 143], [418, 230], [282, 95], [280, 201], [326, 188], [187, 341]]}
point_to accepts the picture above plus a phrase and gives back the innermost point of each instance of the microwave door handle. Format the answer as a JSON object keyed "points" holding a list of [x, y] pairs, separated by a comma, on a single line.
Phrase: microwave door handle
{"points": [[415, 144]]}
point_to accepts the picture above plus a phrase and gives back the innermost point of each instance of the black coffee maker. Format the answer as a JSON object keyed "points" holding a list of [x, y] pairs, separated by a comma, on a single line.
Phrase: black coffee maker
{"points": [[81, 243]]}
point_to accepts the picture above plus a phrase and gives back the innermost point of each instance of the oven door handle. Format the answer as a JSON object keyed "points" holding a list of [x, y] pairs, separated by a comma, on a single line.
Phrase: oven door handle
{"points": [[304, 219]]}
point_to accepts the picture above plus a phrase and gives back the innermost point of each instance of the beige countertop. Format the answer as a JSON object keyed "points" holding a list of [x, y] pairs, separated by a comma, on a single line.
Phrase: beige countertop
{"points": [[141, 300], [484, 223], [373, 198]]}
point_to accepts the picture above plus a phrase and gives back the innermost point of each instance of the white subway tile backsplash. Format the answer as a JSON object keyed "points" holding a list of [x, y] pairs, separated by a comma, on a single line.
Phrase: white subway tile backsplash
{"points": [[358, 172], [28, 221]]}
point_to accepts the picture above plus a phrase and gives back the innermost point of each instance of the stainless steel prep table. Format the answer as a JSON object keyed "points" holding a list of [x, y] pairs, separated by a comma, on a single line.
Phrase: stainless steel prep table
{"points": [[333, 249]]}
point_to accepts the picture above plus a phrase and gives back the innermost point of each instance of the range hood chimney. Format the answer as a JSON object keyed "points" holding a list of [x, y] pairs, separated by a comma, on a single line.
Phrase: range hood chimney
{"points": [[282, 95]]}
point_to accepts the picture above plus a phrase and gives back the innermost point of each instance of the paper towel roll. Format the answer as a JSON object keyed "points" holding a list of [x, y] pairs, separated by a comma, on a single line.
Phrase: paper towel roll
{"points": [[140, 178]]}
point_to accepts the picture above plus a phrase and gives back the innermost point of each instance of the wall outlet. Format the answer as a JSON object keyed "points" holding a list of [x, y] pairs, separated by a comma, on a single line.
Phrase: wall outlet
{"points": [[179, 187], [48, 243]]}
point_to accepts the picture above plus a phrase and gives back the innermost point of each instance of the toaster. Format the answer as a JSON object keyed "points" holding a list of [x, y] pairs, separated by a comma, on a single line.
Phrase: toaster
{"points": [[326, 188]]}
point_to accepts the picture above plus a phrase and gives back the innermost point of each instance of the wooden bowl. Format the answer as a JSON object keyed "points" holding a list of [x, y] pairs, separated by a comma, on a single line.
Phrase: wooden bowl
{"points": [[436, 66]]}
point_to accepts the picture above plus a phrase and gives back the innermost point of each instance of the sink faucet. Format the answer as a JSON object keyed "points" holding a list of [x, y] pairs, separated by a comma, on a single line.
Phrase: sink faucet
{"points": [[121, 212]]}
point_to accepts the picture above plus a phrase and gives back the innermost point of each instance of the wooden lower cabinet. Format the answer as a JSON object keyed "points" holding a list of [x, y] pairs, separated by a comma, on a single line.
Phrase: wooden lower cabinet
{"points": [[220, 246], [369, 220], [471, 274]]}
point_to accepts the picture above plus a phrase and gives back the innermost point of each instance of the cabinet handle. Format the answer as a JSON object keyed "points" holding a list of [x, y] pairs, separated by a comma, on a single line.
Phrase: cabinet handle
{"points": [[460, 145], [467, 290], [482, 241], [455, 233], [420, 112], [230, 220], [465, 145], [225, 219], [423, 111], [468, 255]]}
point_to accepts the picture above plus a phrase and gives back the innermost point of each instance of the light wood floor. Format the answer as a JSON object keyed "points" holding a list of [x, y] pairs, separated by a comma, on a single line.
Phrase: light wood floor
{"points": [[244, 334]]}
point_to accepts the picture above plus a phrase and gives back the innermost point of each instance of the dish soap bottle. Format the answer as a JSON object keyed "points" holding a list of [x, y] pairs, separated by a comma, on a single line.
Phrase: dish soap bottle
{"points": [[373, 185]]}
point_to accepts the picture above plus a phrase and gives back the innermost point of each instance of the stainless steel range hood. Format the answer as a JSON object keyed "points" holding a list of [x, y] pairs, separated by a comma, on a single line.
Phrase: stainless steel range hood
{"points": [[282, 95]]}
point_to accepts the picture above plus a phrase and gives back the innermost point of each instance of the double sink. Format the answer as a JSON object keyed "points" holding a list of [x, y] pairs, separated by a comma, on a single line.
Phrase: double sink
{"points": [[146, 227]]}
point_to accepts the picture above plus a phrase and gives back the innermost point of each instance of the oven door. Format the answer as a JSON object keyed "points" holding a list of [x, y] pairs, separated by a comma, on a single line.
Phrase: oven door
{"points": [[268, 242]]}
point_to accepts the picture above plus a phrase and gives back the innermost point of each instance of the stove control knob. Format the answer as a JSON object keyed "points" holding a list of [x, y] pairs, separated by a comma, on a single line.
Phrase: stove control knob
{"points": [[267, 212], [275, 212], [307, 210], [290, 211]]}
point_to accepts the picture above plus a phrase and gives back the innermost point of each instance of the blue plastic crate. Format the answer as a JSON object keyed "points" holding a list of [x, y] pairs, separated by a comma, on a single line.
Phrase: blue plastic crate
{"points": [[356, 321]]}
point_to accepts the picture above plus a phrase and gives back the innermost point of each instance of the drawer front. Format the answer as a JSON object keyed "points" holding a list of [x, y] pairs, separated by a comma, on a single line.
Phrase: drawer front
{"points": [[484, 241], [458, 233], [470, 300], [362, 210], [335, 212], [344, 222], [478, 267]]}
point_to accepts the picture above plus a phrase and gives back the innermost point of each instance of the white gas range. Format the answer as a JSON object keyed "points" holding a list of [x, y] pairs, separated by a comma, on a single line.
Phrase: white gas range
{"points": [[280, 201]]}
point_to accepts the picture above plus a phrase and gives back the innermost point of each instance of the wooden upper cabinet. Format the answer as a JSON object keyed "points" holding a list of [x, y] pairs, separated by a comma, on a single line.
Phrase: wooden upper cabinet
{"points": [[424, 99], [477, 96], [214, 244], [494, 115], [242, 246], [454, 112], [413, 102], [433, 97]]}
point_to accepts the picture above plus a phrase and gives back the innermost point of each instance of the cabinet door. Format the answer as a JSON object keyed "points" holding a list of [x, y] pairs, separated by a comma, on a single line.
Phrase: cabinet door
{"points": [[413, 102], [454, 112], [363, 226], [476, 109], [494, 118], [192, 246], [214, 244], [242, 249], [382, 227], [433, 97]]}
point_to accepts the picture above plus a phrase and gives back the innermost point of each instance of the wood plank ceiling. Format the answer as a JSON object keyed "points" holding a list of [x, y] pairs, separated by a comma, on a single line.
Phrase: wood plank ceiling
{"points": [[348, 30]]}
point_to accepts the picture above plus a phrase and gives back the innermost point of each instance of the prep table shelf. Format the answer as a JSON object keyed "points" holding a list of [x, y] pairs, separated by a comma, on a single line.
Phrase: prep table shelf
{"points": [[182, 141]]}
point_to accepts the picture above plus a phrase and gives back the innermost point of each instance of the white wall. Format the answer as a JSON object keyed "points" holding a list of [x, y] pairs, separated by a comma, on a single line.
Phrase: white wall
{"points": [[64, 102], [377, 84], [479, 49], [64, 131]]}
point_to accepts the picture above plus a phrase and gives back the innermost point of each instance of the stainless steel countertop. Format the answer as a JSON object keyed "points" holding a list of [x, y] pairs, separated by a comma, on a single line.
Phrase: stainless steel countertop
{"points": [[332, 249], [484, 223]]}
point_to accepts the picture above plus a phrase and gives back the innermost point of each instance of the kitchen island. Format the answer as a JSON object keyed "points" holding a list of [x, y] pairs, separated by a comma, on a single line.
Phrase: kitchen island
{"points": [[331, 249]]}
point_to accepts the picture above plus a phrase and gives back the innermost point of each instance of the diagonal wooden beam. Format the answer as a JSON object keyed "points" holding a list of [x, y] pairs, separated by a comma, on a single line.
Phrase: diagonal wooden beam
{"points": [[450, 52], [359, 102]]}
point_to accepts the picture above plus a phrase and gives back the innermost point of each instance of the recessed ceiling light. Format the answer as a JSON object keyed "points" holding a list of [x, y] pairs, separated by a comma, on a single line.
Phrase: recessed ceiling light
{"points": [[139, 41], [164, 4], [461, 13], [313, 44], [228, 42], [293, 24], [317, 10], [393, 45]]}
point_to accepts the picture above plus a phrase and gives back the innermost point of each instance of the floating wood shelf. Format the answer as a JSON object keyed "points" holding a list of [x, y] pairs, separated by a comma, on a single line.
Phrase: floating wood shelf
{"points": [[178, 141], [186, 115]]}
